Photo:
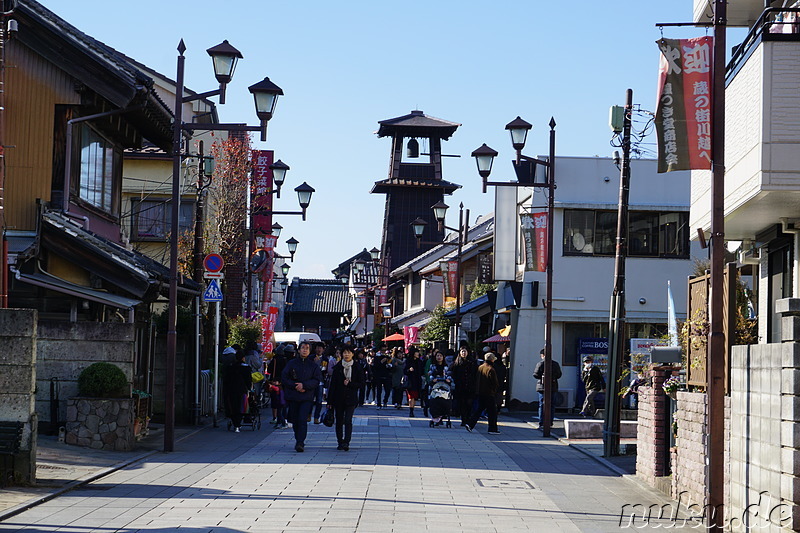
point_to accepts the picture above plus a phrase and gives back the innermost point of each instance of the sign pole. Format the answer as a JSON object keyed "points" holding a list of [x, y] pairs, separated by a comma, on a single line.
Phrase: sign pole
{"points": [[216, 364]]}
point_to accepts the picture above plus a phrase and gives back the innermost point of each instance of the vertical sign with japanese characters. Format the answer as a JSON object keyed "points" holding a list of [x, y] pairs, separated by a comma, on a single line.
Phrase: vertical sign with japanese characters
{"points": [[362, 306], [449, 278], [534, 233], [683, 115], [268, 323], [410, 335], [485, 268], [262, 191]]}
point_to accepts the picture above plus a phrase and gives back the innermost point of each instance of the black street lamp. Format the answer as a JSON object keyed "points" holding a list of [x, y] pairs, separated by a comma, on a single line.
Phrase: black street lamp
{"points": [[279, 169], [292, 243], [224, 58], [439, 212], [265, 94], [276, 230], [285, 269], [525, 168]]}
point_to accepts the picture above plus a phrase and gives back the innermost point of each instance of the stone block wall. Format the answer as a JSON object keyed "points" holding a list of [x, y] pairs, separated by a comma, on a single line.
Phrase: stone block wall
{"points": [[101, 423], [652, 460], [65, 349], [18, 384], [765, 439]]}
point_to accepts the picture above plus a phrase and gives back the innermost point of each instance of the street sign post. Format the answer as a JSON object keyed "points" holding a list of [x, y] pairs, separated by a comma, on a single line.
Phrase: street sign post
{"points": [[212, 293], [213, 263]]}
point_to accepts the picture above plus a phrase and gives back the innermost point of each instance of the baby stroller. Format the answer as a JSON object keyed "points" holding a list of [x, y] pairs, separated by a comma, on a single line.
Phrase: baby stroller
{"points": [[252, 417], [440, 401]]}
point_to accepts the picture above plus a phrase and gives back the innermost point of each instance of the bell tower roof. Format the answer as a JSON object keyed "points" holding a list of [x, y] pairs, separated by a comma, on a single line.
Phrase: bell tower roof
{"points": [[417, 124]]}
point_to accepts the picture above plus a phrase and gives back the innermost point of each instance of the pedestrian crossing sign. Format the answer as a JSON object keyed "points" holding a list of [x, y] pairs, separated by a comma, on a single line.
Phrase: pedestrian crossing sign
{"points": [[213, 293]]}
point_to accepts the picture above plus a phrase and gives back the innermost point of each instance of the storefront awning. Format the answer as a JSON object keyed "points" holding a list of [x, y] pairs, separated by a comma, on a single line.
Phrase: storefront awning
{"points": [[65, 287]]}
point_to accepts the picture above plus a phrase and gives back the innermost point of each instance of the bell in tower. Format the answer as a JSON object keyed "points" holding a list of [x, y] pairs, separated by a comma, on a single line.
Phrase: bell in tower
{"points": [[414, 184]]}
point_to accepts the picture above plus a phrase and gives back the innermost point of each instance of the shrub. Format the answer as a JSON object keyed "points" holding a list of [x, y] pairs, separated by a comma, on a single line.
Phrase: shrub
{"points": [[102, 380], [243, 330]]}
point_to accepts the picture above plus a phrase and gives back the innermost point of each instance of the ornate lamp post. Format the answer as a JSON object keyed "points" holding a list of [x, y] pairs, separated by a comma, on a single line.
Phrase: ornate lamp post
{"points": [[224, 58], [525, 168]]}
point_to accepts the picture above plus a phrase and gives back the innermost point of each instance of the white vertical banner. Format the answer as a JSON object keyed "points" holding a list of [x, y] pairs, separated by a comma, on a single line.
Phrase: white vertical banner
{"points": [[506, 226]]}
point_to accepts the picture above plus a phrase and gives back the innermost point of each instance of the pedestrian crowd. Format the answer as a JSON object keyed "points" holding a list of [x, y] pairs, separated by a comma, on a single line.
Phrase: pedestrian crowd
{"points": [[327, 383]]}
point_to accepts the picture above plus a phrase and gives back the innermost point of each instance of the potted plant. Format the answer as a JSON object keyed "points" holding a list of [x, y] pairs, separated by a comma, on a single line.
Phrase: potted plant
{"points": [[670, 387]]}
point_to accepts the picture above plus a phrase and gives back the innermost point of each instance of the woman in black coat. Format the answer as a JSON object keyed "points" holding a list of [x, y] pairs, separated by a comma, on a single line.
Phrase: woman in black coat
{"points": [[346, 380], [414, 371]]}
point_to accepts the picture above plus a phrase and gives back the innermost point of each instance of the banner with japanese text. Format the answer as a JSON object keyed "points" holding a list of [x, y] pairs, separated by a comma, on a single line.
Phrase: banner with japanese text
{"points": [[485, 268], [262, 191], [683, 113], [267, 243], [268, 323], [380, 296], [534, 234], [449, 278], [410, 335], [362, 306]]}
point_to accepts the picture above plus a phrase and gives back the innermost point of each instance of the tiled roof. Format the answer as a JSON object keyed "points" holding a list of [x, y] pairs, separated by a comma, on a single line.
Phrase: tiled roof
{"points": [[318, 296], [417, 123], [383, 186]]}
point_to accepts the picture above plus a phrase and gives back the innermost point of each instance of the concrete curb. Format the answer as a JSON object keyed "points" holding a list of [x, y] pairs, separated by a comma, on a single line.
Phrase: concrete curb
{"points": [[611, 466], [17, 509]]}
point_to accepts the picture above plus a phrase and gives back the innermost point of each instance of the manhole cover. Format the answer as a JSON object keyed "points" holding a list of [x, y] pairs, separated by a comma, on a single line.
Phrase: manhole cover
{"points": [[504, 484]]}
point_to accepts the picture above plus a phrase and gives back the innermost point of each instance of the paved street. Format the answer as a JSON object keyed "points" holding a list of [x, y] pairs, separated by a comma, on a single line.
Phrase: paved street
{"points": [[400, 475]]}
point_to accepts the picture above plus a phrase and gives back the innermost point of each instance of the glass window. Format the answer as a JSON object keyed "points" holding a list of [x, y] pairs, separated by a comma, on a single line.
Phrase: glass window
{"points": [[98, 162], [673, 231], [151, 219], [650, 233], [605, 241], [578, 232], [643, 233]]}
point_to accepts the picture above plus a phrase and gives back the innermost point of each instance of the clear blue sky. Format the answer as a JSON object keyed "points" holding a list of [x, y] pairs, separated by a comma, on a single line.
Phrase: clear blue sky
{"points": [[346, 65]]}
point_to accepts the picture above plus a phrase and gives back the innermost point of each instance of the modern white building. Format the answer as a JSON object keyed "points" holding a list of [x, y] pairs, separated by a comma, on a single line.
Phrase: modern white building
{"points": [[583, 264]]}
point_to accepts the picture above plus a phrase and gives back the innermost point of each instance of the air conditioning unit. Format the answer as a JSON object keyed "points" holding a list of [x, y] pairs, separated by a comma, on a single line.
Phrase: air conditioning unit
{"points": [[565, 400]]}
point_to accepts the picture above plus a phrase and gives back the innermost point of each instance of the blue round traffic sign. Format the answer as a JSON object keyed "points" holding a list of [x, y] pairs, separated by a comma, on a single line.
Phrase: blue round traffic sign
{"points": [[213, 262]]}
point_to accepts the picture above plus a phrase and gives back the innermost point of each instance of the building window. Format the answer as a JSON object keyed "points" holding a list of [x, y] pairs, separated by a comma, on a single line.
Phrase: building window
{"points": [[151, 219], [650, 233], [98, 170]]}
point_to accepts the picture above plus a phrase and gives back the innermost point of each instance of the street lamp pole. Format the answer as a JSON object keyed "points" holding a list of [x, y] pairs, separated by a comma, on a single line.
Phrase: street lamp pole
{"points": [[525, 168], [418, 226], [224, 57]]}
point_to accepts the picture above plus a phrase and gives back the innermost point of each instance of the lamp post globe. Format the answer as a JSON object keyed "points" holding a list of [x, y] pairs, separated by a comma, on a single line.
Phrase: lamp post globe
{"points": [[279, 169], [375, 254], [224, 57], [418, 227], [484, 157], [519, 129], [276, 230], [292, 243], [304, 192], [285, 269], [440, 211], [265, 93]]}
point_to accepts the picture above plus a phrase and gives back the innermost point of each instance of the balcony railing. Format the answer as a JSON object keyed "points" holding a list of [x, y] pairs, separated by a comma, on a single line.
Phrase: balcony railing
{"points": [[774, 24]]}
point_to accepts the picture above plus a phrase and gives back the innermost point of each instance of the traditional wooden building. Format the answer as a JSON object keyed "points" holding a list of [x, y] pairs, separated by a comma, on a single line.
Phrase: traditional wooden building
{"points": [[414, 184]]}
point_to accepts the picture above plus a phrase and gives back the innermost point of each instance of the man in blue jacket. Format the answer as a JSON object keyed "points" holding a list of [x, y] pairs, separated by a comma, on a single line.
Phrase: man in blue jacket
{"points": [[300, 379]]}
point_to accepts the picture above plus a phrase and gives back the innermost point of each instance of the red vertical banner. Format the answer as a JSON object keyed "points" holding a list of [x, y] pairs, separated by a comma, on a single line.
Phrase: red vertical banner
{"points": [[380, 296], [450, 278], [267, 243], [540, 230], [683, 114], [268, 323], [362, 306], [410, 335], [261, 194]]}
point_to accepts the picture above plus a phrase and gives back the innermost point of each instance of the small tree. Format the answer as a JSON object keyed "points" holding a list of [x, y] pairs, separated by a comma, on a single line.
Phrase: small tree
{"points": [[378, 334], [242, 330], [476, 290], [438, 328]]}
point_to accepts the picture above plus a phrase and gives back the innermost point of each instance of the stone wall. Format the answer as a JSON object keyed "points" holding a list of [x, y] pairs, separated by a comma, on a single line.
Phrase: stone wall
{"points": [[101, 423], [18, 383], [652, 450], [765, 434], [688, 468], [65, 349]]}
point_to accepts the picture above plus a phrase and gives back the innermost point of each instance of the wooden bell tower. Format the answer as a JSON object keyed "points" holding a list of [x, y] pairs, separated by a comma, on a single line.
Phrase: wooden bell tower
{"points": [[414, 185]]}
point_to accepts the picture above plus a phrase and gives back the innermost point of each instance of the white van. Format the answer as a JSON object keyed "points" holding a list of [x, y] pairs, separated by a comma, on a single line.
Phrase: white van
{"points": [[296, 337]]}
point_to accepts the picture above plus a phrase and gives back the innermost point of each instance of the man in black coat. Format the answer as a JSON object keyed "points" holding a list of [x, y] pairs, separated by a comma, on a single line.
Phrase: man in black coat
{"points": [[300, 379], [463, 371], [538, 374], [593, 382], [485, 389]]}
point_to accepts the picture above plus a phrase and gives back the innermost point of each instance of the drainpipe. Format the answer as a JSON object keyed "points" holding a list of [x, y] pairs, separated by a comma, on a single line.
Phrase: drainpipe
{"points": [[68, 159], [796, 259]]}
